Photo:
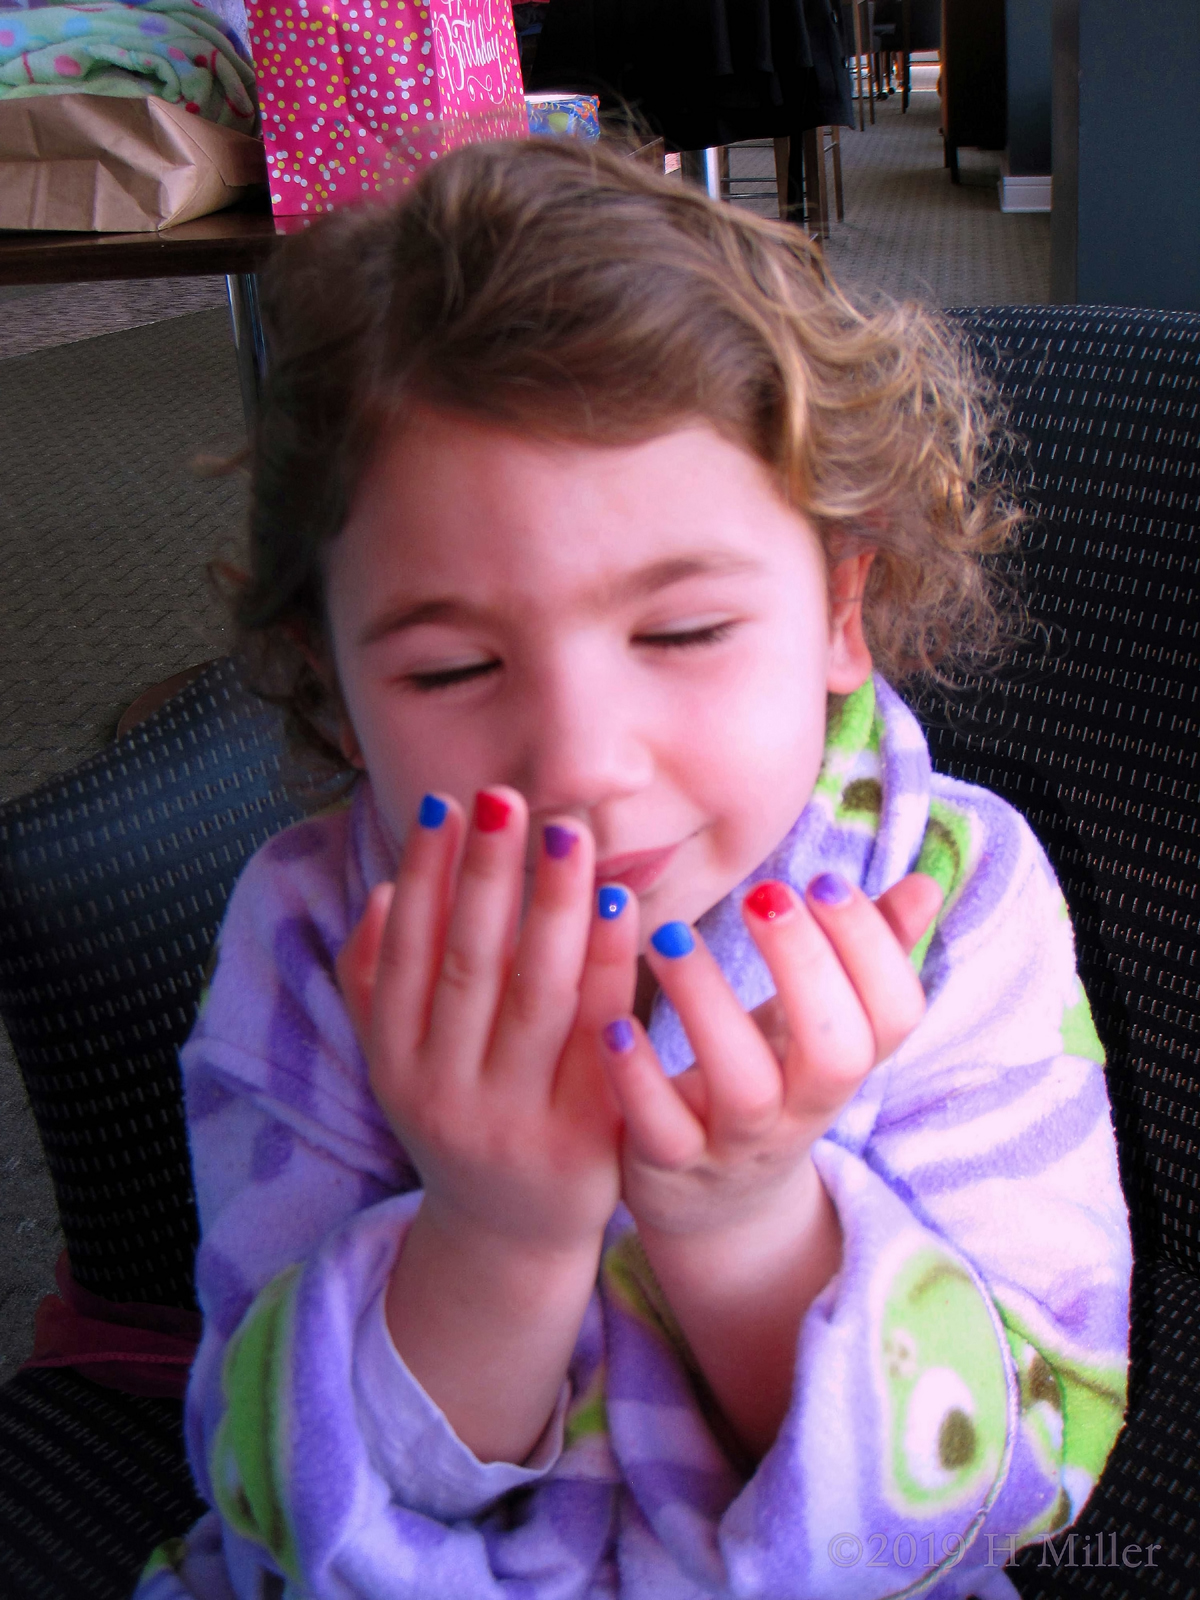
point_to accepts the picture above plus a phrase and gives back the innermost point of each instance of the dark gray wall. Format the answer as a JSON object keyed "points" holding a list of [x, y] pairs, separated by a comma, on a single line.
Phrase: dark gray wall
{"points": [[1027, 26], [1126, 223]]}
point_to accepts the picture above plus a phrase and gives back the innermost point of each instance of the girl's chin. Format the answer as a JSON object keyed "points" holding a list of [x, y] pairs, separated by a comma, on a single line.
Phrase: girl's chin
{"points": [[687, 887], [659, 906]]}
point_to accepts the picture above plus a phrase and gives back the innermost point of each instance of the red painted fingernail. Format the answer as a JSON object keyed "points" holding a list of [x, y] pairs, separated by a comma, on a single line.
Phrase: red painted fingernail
{"points": [[491, 813], [768, 901]]}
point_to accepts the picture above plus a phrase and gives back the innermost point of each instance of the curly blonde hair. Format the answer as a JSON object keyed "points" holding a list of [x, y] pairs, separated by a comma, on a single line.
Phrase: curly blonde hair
{"points": [[569, 292]]}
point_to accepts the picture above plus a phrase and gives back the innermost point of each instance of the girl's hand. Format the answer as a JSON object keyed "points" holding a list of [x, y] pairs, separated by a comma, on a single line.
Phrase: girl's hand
{"points": [[726, 1143], [482, 1042]]}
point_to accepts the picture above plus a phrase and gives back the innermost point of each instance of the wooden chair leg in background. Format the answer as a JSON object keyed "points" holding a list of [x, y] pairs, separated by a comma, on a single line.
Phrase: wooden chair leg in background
{"points": [[834, 147], [783, 153], [868, 11], [816, 197], [856, 15]]}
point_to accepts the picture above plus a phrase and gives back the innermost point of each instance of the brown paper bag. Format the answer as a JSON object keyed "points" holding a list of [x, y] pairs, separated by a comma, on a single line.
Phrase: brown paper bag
{"points": [[93, 163]]}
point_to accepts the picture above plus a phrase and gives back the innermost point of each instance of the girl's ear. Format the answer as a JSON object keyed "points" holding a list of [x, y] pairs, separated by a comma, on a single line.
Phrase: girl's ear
{"points": [[348, 740], [346, 737], [298, 634], [849, 659]]}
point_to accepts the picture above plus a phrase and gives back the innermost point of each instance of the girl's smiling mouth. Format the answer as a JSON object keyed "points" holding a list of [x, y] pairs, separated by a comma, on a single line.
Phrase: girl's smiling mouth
{"points": [[637, 871]]}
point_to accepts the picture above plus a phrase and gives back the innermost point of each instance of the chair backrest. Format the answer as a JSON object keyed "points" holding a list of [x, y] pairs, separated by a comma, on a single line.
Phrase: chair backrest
{"points": [[113, 882], [924, 25], [1096, 737]]}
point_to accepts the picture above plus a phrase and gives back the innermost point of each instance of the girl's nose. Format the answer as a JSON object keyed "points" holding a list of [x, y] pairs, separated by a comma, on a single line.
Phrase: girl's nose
{"points": [[586, 742]]}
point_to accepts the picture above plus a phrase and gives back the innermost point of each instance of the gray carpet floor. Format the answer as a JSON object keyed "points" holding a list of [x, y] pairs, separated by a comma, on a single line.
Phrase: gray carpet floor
{"points": [[908, 232], [35, 317], [109, 393]]}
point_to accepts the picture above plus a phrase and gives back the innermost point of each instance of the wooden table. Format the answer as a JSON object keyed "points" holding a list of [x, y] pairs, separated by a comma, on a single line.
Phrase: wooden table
{"points": [[234, 241], [233, 244]]}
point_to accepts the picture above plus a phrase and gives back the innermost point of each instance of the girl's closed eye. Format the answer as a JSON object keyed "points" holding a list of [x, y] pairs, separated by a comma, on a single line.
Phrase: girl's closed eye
{"points": [[448, 677], [687, 638]]}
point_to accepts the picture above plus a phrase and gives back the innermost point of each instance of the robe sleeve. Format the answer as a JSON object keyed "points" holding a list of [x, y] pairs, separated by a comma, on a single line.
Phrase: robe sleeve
{"points": [[960, 1382]]}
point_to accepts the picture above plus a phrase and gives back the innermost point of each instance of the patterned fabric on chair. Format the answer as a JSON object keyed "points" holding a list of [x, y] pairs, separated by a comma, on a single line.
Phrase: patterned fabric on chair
{"points": [[1095, 735], [113, 881]]}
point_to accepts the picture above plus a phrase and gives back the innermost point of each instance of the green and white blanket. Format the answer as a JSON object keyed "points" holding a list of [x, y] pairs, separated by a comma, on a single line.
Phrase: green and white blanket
{"points": [[173, 49]]}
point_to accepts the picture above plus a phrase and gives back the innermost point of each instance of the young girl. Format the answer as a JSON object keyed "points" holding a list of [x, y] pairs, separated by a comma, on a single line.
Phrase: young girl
{"points": [[595, 1200]]}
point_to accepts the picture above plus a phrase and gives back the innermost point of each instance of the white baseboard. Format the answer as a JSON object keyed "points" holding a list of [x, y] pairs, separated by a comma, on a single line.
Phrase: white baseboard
{"points": [[1022, 193]]}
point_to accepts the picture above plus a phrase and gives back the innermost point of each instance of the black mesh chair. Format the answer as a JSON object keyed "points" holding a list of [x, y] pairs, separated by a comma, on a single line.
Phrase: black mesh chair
{"points": [[1095, 735], [113, 879]]}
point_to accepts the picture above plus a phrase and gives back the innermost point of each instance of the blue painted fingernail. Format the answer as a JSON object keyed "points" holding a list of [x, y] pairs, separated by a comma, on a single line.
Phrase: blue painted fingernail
{"points": [[559, 842], [433, 812], [611, 900], [829, 889], [620, 1037], [673, 939]]}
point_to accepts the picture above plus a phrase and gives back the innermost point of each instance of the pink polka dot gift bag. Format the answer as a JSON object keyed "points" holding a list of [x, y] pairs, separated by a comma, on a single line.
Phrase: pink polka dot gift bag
{"points": [[359, 96]]}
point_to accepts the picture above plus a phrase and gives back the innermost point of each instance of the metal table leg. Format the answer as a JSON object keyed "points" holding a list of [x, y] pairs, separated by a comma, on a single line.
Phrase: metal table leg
{"points": [[248, 339], [707, 168]]}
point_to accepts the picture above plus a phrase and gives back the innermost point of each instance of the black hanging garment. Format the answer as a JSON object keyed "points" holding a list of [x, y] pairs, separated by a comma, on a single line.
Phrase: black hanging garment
{"points": [[702, 72]]}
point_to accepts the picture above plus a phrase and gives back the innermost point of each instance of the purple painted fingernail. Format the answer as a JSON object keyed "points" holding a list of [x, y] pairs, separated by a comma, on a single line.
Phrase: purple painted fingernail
{"points": [[559, 841], [829, 889], [620, 1037]]}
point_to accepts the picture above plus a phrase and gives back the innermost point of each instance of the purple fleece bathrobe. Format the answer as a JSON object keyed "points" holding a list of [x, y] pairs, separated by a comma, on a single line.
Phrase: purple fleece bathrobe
{"points": [[958, 1384]]}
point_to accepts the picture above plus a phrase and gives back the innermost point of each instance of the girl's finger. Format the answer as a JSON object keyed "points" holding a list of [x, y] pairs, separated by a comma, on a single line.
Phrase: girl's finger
{"points": [[742, 1079], [909, 906], [402, 973], [874, 959], [542, 996], [606, 990], [836, 927], [358, 960], [609, 980], [476, 951], [832, 1041], [659, 1128]]}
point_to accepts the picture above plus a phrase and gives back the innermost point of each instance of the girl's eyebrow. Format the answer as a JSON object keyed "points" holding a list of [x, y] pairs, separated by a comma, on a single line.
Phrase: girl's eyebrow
{"points": [[397, 618], [637, 585]]}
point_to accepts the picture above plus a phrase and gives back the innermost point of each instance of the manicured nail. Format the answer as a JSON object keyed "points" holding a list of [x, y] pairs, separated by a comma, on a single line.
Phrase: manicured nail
{"points": [[768, 901], [611, 900], [620, 1037], [433, 812], [559, 842], [673, 939], [491, 813], [829, 889]]}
